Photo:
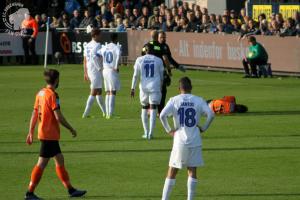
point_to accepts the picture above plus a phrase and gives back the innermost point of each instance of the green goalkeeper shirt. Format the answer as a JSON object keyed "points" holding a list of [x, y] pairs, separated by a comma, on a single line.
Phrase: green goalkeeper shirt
{"points": [[257, 51]]}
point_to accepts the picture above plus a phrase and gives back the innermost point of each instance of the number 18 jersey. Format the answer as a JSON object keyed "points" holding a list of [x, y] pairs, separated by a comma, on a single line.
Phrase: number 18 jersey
{"points": [[187, 110]]}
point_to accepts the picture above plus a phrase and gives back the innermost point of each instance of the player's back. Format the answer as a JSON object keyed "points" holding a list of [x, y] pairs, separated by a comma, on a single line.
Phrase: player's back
{"points": [[46, 102], [151, 72], [90, 52], [111, 54], [187, 110]]}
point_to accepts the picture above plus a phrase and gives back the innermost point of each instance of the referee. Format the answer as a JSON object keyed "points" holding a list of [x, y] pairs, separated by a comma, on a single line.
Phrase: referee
{"points": [[29, 34], [156, 49]]}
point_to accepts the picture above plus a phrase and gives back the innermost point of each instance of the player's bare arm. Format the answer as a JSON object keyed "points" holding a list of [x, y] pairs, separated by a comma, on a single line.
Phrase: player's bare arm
{"points": [[32, 125], [61, 119], [86, 78]]}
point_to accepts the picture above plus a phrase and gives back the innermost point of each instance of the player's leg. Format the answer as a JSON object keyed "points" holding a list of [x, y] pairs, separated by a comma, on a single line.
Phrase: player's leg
{"points": [[169, 183], [253, 65], [153, 113], [64, 176], [100, 101], [89, 103], [144, 99], [112, 102], [191, 182], [107, 97], [36, 176], [26, 50], [154, 99]]}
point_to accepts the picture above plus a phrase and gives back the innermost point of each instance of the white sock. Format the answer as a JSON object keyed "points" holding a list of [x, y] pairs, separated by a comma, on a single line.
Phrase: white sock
{"points": [[101, 103], [144, 117], [88, 106], [111, 104], [107, 104], [169, 183], [191, 186], [153, 113]]}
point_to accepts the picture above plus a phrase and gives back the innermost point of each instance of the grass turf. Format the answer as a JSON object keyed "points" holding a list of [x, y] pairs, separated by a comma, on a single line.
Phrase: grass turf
{"points": [[247, 156]]}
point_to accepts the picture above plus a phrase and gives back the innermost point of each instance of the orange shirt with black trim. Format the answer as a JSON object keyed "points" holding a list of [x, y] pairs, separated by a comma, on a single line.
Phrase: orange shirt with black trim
{"points": [[46, 102], [225, 105], [31, 26]]}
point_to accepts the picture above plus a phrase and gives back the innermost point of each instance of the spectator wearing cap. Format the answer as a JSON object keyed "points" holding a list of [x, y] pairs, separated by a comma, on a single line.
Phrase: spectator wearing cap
{"points": [[75, 21], [87, 20], [151, 19]]}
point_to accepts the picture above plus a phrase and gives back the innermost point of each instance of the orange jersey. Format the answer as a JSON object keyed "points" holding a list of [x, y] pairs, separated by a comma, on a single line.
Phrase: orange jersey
{"points": [[225, 105], [30, 26], [46, 102]]}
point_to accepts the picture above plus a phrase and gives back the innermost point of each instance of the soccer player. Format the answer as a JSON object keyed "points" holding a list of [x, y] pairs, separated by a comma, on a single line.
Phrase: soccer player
{"points": [[47, 113], [111, 54], [186, 110], [93, 72], [226, 105], [150, 70]]}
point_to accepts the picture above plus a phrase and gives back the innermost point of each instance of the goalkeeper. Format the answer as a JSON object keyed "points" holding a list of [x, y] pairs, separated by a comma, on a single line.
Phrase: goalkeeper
{"points": [[257, 56]]}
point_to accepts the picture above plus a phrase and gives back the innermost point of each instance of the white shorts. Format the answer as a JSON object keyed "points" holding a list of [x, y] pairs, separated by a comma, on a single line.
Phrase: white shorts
{"points": [[182, 156], [95, 79], [147, 98], [111, 80]]}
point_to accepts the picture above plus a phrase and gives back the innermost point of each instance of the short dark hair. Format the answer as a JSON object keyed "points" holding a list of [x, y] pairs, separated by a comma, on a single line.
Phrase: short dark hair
{"points": [[185, 83], [50, 76], [239, 108], [114, 37], [252, 39], [95, 32]]}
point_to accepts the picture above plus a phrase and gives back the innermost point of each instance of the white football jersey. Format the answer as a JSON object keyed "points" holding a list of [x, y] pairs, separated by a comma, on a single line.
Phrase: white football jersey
{"points": [[186, 110], [110, 55], [150, 69], [93, 61]]}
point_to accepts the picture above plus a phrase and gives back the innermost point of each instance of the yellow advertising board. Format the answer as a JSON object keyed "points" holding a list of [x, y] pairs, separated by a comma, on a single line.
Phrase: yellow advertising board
{"points": [[259, 9], [288, 10]]}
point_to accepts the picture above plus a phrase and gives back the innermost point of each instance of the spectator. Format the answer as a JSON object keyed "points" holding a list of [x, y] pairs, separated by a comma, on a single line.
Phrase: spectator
{"points": [[38, 20], [297, 18], [98, 21], [242, 16], [75, 21], [213, 23], [151, 19], [127, 13], [170, 22], [135, 16], [126, 24], [182, 26], [289, 28], [155, 23], [144, 16], [193, 22], [220, 29], [107, 13], [44, 20], [228, 28], [87, 20], [274, 27], [55, 23], [198, 16], [142, 23], [219, 19], [120, 25], [105, 23], [205, 26], [279, 19], [236, 25]]}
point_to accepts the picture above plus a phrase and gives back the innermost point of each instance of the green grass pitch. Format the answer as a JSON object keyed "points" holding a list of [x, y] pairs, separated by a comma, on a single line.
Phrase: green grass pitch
{"points": [[253, 156]]}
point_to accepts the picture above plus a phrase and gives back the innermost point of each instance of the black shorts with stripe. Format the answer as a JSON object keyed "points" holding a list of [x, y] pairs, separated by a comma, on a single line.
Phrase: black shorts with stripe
{"points": [[49, 148]]}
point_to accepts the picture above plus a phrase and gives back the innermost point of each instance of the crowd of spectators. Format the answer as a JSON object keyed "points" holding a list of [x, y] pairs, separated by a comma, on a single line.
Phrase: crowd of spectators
{"points": [[183, 17]]}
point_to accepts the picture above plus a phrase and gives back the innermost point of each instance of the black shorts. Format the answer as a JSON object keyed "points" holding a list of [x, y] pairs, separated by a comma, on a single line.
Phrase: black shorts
{"points": [[49, 148]]}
